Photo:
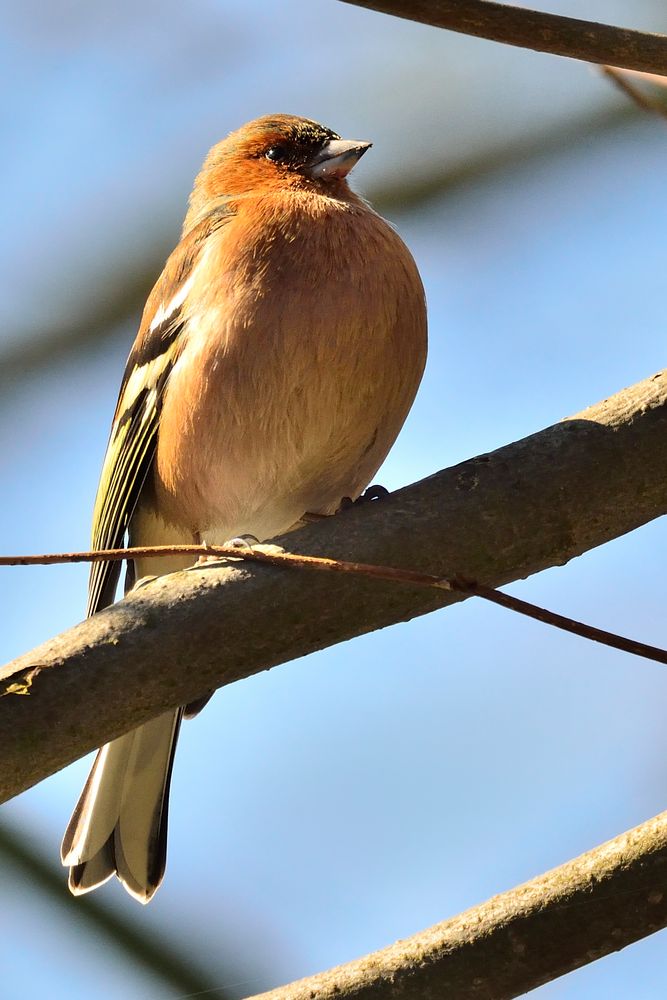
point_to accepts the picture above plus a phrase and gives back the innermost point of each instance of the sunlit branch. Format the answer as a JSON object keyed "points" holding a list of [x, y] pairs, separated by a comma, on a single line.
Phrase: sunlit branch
{"points": [[496, 518], [585, 909]]}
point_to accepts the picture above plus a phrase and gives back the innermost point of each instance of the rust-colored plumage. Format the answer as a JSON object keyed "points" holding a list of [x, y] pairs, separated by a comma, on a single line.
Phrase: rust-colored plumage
{"points": [[277, 358]]}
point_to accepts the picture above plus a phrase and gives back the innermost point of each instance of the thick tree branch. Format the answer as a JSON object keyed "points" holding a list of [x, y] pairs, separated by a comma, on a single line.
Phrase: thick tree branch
{"points": [[495, 518], [592, 906], [533, 29]]}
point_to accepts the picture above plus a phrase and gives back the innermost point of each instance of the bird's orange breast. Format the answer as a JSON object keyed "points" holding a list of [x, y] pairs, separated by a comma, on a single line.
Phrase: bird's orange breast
{"points": [[298, 368]]}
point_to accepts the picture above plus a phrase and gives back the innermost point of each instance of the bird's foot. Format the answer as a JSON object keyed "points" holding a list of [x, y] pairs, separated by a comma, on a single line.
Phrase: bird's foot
{"points": [[203, 560], [240, 542], [370, 494]]}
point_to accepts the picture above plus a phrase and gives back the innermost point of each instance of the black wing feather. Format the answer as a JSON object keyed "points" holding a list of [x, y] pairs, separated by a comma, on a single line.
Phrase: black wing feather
{"points": [[128, 459], [134, 433]]}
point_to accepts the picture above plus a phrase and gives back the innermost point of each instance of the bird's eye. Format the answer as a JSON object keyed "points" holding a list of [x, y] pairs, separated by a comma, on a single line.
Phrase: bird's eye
{"points": [[276, 153]]}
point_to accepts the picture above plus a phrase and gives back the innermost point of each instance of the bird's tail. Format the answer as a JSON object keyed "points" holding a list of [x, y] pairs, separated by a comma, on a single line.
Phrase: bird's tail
{"points": [[119, 825]]}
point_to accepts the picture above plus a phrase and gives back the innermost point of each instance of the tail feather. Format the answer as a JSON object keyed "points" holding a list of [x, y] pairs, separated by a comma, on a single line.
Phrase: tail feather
{"points": [[119, 825], [96, 813], [90, 874], [141, 832]]}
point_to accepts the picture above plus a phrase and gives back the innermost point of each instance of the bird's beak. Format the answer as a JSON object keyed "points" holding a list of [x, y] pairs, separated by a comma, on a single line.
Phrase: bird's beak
{"points": [[336, 158]]}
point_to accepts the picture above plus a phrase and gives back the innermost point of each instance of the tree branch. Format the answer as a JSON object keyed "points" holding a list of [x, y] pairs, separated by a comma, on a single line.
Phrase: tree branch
{"points": [[532, 29], [499, 517], [585, 909]]}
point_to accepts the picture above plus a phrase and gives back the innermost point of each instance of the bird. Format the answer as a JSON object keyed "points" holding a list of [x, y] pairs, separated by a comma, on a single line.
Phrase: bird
{"points": [[277, 358]]}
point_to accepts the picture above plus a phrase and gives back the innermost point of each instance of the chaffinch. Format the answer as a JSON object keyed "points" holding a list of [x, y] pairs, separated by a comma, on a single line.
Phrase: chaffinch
{"points": [[277, 358]]}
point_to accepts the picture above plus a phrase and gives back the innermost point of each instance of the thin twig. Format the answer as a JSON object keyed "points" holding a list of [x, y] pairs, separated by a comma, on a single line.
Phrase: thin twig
{"points": [[270, 554], [274, 556], [654, 653]]}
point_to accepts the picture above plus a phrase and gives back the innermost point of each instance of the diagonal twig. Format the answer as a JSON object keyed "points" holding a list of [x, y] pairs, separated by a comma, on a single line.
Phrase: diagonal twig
{"points": [[272, 555]]}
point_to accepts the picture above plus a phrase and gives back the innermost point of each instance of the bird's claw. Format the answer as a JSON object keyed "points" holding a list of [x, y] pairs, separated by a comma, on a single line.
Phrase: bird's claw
{"points": [[375, 492], [240, 542], [370, 494]]}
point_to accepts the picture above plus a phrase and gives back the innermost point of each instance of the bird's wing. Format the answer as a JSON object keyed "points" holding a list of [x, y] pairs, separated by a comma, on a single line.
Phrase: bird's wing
{"points": [[135, 426]]}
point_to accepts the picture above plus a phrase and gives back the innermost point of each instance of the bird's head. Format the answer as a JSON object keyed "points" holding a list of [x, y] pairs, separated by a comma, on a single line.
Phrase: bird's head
{"points": [[278, 152]]}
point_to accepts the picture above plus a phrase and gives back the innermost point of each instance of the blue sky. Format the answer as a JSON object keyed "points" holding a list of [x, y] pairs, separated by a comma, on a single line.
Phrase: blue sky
{"points": [[337, 803]]}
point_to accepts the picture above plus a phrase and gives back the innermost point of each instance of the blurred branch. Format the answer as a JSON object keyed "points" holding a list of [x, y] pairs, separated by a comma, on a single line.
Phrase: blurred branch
{"points": [[159, 955], [638, 96], [590, 907], [121, 301], [417, 189], [537, 30], [499, 517]]}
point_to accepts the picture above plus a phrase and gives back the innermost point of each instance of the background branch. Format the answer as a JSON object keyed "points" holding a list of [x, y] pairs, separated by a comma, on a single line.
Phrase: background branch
{"points": [[585, 909], [116, 309], [166, 959], [532, 504], [532, 29]]}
